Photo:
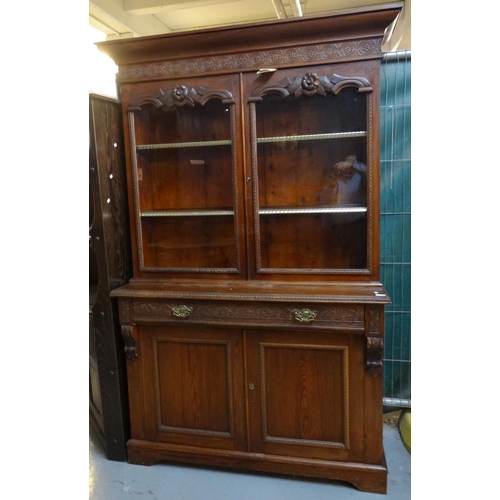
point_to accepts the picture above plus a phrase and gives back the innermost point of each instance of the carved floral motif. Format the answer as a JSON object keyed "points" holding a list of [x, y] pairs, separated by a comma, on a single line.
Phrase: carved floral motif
{"points": [[310, 85], [180, 96]]}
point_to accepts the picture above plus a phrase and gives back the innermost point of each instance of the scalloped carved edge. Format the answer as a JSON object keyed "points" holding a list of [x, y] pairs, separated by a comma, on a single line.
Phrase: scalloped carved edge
{"points": [[311, 84], [224, 63], [181, 95]]}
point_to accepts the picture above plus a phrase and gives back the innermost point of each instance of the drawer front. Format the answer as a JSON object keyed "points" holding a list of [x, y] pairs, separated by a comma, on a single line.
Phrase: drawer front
{"points": [[233, 313]]}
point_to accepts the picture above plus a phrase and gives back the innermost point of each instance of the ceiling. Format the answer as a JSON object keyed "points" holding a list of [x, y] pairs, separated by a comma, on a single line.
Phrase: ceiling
{"points": [[132, 18]]}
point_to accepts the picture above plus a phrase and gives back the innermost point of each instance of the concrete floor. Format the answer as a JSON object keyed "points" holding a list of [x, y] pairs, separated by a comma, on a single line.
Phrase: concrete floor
{"points": [[117, 480]]}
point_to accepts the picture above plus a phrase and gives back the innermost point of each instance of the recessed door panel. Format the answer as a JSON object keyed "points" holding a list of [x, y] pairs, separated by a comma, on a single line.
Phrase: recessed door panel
{"points": [[193, 386], [301, 397]]}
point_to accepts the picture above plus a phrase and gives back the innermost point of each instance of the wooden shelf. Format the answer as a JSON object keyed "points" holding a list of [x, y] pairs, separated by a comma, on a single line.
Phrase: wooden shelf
{"points": [[179, 145], [310, 137], [311, 210], [186, 213]]}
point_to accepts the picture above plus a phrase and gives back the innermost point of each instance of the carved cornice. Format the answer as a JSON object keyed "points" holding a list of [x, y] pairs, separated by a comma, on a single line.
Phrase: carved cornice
{"points": [[224, 63]]}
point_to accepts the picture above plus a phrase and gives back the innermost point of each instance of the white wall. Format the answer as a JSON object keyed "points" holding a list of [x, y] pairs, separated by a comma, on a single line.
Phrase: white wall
{"points": [[102, 69]]}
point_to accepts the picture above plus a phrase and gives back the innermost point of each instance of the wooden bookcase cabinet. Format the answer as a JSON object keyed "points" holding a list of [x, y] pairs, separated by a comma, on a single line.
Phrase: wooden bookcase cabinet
{"points": [[253, 325]]}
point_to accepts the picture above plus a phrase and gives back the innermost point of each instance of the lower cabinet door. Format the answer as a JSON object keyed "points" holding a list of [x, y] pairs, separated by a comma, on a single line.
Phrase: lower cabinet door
{"points": [[193, 380], [305, 393]]}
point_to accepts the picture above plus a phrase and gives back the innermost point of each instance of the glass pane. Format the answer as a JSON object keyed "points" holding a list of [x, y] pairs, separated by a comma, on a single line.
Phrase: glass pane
{"points": [[311, 157], [184, 161]]}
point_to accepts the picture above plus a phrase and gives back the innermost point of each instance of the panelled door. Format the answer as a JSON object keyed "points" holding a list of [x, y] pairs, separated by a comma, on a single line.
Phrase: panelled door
{"points": [[193, 386], [306, 394]]}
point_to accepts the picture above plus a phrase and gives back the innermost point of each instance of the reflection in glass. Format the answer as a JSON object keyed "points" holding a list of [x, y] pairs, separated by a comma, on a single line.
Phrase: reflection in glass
{"points": [[312, 184], [346, 183]]}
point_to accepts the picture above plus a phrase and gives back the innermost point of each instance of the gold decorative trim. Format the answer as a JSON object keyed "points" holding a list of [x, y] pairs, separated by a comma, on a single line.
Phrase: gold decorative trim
{"points": [[305, 315], [182, 311]]}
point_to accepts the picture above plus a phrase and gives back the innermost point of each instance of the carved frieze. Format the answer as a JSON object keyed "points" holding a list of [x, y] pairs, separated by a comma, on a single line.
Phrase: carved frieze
{"points": [[310, 54]]}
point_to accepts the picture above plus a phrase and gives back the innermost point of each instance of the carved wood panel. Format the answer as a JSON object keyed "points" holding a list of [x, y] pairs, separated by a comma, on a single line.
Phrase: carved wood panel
{"points": [[335, 317], [251, 60]]}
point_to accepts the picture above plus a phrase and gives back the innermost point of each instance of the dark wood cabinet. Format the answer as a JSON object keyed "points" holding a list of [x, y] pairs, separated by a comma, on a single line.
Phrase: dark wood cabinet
{"points": [[253, 324], [109, 267]]}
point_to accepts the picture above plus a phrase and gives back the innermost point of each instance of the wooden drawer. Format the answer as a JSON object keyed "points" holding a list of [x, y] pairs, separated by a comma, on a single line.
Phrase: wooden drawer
{"points": [[241, 313]]}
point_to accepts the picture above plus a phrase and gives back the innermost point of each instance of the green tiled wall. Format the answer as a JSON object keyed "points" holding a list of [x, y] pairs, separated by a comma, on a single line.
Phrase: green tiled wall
{"points": [[395, 224]]}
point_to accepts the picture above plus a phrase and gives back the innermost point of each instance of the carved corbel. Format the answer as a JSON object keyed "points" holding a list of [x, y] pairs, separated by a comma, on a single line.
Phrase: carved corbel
{"points": [[374, 355], [130, 342]]}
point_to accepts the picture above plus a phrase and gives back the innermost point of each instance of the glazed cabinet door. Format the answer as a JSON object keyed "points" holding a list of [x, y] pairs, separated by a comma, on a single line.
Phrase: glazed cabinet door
{"points": [[306, 394], [312, 167], [193, 386], [185, 177]]}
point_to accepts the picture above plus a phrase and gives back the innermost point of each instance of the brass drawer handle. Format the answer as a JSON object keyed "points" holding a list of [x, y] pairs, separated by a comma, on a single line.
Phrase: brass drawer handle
{"points": [[182, 311], [304, 315]]}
